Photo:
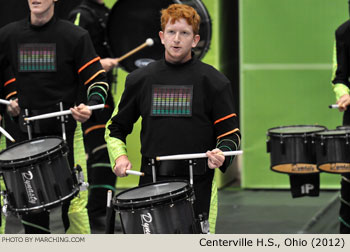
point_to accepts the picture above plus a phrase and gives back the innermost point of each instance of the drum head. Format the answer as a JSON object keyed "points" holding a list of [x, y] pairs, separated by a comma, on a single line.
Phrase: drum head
{"points": [[344, 127], [296, 130], [151, 191], [29, 149], [131, 22], [152, 194], [340, 132]]}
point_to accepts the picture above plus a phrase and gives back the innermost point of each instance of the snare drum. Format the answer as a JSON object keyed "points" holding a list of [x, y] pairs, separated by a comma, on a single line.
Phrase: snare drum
{"points": [[333, 150], [159, 208], [291, 148], [37, 175]]}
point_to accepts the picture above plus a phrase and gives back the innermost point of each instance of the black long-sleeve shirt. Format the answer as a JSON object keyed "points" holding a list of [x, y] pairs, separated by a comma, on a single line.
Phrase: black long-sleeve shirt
{"points": [[51, 61], [186, 108], [342, 37]]}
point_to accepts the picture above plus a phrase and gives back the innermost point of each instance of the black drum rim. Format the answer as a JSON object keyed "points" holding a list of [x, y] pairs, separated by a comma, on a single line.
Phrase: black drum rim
{"points": [[49, 205], [144, 202], [22, 162], [342, 133], [321, 128]]}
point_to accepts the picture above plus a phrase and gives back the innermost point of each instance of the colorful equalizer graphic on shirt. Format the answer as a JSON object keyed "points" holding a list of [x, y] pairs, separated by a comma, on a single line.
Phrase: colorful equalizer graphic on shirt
{"points": [[37, 58], [171, 100]]}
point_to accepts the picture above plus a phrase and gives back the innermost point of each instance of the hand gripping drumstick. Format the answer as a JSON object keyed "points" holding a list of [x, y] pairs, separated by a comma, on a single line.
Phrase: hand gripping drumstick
{"points": [[6, 134], [196, 155], [60, 113], [148, 42]]}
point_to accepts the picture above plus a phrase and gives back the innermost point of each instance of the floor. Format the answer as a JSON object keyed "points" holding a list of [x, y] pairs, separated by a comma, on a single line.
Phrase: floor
{"points": [[249, 212]]}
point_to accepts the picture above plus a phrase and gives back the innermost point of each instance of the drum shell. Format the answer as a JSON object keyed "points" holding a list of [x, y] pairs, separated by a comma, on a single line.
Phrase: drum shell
{"points": [[333, 153], [169, 214], [39, 183], [176, 218], [295, 151]]}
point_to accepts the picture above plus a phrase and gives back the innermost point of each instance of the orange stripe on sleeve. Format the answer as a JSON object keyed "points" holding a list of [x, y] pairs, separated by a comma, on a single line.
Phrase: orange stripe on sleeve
{"points": [[224, 118], [88, 130], [9, 81], [92, 77], [10, 94], [88, 64], [228, 133]]}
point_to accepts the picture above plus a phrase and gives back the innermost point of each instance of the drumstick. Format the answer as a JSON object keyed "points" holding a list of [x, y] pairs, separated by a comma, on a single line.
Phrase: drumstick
{"points": [[196, 155], [131, 172], [60, 113], [109, 198], [148, 42], [333, 106], [6, 134], [6, 102]]}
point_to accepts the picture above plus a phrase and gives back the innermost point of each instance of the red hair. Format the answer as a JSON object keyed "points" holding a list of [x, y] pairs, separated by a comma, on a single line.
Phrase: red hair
{"points": [[177, 11]]}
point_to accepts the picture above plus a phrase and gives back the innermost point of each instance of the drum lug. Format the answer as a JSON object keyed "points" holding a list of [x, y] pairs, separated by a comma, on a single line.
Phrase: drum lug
{"points": [[283, 146], [268, 147], [4, 208], [204, 223], [80, 178], [323, 146], [305, 138]]}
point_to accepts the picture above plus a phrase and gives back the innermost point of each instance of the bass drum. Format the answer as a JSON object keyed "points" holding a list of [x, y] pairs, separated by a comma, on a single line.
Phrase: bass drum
{"points": [[131, 22]]}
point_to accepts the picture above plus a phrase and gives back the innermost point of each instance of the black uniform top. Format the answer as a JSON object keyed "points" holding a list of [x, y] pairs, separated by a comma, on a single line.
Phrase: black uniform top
{"points": [[185, 108], [7, 81], [50, 61], [93, 16], [342, 36]]}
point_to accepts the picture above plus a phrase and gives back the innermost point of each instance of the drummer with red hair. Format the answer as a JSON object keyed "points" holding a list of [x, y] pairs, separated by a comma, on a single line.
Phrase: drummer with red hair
{"points": [[186, 107]]}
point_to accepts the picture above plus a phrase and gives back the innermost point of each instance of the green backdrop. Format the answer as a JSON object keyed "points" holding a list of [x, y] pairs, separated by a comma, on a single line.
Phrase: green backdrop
{"points": [[133, 140], [286, 51]]}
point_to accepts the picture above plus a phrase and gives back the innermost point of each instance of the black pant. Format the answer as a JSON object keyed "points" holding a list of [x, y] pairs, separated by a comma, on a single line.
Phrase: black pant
{"points": [[344, 212], [100, 175]]}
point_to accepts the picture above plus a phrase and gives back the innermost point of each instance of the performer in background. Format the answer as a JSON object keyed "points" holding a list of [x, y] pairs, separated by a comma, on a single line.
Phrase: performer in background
{"points": [[51, 58], [92, 15], [200, 116], [7, 81], [341, 85]]}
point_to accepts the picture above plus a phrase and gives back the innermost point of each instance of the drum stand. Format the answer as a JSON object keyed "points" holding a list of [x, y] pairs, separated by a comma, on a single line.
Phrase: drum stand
{"points": [[83, 186], [27, 123], [4, 207]]}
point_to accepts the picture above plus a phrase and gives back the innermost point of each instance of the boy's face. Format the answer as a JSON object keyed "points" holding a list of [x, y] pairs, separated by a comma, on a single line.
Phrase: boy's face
{"points": [[178, 40], [40, 7]]}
